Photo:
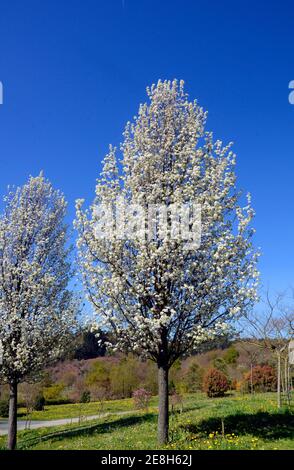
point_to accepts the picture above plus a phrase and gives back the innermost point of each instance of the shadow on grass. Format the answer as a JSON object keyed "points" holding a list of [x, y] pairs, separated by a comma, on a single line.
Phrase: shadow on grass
{"points": [[262, 424], [88, 430], [123, 422], [188, 407]]}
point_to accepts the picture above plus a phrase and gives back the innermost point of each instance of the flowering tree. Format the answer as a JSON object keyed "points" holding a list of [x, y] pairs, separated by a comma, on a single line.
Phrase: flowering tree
{"points": [[160, 297], [37, 311], [141, 398]]}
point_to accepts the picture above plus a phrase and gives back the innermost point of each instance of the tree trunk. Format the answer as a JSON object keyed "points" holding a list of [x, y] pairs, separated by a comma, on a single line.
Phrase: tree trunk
{"points": [[163, 404], [12, 422], [287, 382], [251, 378], [279, 380]]}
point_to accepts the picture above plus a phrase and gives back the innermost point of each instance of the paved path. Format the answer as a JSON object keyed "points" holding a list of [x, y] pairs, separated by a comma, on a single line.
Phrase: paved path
{"points": [[21, 425]]}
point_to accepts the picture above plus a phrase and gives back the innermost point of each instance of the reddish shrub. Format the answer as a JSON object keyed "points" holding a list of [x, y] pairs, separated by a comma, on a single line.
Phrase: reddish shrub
{"points": [[264, 379], [215, 383]]}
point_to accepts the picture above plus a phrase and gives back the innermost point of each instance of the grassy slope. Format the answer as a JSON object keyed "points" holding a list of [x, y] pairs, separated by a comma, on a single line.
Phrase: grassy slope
{"points": [[250, 423], [75, 410]]}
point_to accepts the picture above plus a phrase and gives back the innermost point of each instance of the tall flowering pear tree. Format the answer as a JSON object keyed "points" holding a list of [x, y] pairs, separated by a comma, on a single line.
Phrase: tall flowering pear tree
{"points": [[161, 297], [37, 311]]}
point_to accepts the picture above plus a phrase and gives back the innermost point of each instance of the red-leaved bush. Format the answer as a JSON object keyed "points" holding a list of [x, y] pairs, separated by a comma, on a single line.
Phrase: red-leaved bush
{"points": [[264, 379], [141, 398], [215, 383]]}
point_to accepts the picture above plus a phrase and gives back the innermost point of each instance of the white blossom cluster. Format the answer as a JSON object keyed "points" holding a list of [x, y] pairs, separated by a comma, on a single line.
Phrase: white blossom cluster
{"points": [[156, 296], [37, 311]]}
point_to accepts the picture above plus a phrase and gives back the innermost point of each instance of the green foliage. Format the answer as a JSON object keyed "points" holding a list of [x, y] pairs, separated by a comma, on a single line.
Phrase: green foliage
{"points": [[220, 364], [4, 408], [171, 387], [231, 356], [85, 397], [54, 392], [125, 377], [175, 374], [58, 401], [215, 383], [149, 380], [98, 376], [39, 403], [192, 380]]}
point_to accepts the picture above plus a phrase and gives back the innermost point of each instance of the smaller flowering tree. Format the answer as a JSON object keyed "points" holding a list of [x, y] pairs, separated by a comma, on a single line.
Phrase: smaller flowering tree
{"points": [[37, 311], [170, 288], [141, 398]]}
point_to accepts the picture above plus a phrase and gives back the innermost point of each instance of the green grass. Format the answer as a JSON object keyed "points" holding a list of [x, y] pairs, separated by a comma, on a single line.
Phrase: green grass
{"points": [[87, 409], [75, 410], [250, 422]]}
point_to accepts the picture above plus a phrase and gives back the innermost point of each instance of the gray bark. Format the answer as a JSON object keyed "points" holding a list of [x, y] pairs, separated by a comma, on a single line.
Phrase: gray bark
{"points": [[279, 381], [12, 421], [163, 404]]}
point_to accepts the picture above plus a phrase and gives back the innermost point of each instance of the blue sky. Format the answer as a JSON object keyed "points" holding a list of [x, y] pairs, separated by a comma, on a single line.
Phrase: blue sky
{"points": [[74, 72]]}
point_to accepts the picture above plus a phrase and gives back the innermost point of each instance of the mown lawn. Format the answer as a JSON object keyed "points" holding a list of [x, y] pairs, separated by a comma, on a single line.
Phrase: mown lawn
{"points": [[76, 410], [88, 409], [233, 422]]}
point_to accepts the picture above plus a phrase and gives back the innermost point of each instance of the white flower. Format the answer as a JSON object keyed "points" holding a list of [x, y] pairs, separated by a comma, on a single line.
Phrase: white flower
{"points": [[154, 292]]}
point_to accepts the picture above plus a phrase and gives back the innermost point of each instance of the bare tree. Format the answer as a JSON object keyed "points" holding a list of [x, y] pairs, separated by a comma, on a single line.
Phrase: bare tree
{"points": [[271, 329], [253, 353]]}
